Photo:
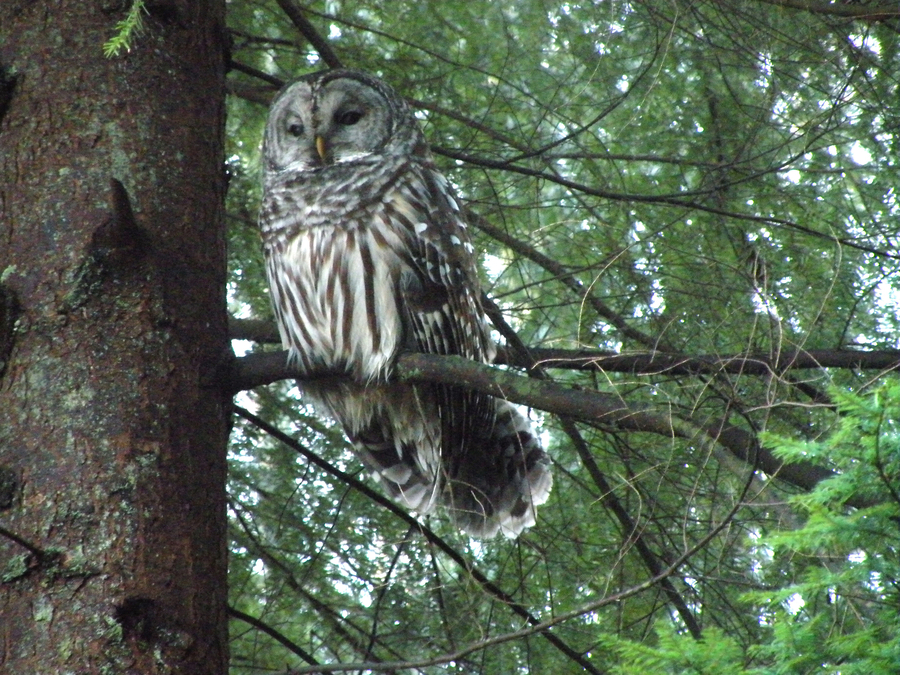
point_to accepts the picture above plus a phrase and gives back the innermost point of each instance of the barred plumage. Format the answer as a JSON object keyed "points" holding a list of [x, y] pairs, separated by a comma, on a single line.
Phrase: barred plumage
{"points": [[367, 254]]}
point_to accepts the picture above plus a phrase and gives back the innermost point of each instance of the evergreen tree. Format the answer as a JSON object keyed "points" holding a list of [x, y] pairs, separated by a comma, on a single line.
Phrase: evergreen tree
{"points": [[687, 219]]}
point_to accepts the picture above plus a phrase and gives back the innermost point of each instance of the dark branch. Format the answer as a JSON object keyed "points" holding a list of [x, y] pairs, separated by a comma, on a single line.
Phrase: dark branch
{"points": [[589, 405], [307, 30], [847, 10], [257, 330], [274, 634], [662, 363], [258, 369], [259, 95], [276, 82]]}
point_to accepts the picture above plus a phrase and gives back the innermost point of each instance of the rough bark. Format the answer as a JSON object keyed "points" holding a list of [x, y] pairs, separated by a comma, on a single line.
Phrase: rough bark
{"points": [[112, 326]]}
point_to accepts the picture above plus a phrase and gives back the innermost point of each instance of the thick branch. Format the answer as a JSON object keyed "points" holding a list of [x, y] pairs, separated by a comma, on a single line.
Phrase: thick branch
{"points": [[597, 407], [594, 406], [846, 10], [259, 95], [257, 330], [258, 369], [659, 363]]}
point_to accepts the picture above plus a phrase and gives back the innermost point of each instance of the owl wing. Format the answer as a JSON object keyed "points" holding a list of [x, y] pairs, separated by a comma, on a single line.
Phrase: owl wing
{"points": [[495, 472], [439, 288], [495, 469]]}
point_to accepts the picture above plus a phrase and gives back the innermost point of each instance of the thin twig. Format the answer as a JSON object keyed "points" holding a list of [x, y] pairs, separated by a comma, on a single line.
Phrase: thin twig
{"points": [[542, 626]]}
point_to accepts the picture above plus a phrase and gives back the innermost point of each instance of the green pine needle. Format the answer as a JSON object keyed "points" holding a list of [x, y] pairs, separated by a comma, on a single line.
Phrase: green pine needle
{"points": [[126, 29]]}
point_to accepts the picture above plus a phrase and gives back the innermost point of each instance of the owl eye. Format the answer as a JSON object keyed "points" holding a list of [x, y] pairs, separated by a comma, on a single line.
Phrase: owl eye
{"points": [[295, 129], [348, 117]]}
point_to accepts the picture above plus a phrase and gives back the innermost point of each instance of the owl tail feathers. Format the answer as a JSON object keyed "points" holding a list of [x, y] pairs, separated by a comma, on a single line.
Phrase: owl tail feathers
{"points": [[492, 483], [504, 478], [398, 472]]}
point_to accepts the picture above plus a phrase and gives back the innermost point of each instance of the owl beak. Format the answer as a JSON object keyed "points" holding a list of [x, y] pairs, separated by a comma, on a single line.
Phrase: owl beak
{"points": [[320, 147]]}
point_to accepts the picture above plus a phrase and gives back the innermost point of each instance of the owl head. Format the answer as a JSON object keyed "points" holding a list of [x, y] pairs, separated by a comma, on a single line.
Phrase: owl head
{"points": [[337, 117]]}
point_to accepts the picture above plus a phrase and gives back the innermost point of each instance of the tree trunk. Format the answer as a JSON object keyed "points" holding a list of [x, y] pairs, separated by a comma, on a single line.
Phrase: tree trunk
{"points": [[112, 328]]}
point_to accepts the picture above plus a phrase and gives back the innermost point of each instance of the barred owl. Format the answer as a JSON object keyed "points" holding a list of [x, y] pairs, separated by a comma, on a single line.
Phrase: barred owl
{"points": [[367, 255]]}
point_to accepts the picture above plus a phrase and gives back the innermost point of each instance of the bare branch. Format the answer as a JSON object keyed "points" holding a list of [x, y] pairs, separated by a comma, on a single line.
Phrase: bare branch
{"points": [[259, 95], [290, 645], [256, 330], [307, 30], [593, 406], [276, 82], [663, 363], [258, 369], [846, 10]]}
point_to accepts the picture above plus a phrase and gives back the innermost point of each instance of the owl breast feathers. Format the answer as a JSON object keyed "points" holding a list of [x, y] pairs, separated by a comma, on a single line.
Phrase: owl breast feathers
{"points": [[367, 254]]}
